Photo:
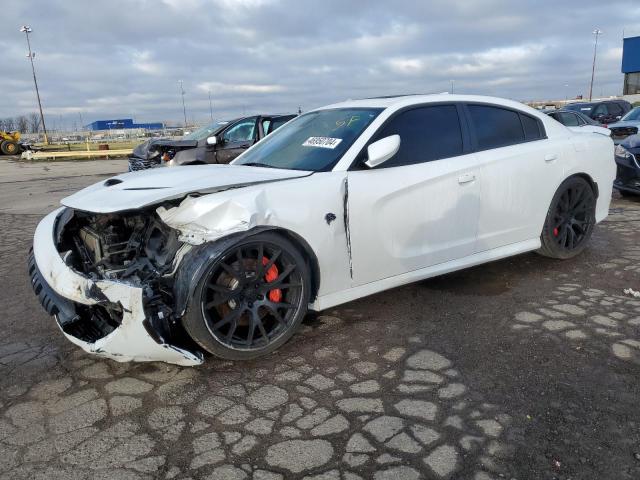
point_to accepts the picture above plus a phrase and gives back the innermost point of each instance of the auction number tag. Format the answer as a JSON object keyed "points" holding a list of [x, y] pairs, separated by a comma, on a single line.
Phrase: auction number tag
{"points": [[322, 142]]}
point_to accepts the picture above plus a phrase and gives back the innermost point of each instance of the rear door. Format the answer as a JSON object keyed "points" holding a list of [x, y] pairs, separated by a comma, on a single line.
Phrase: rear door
{"points": [[519, 169], [236, 139], [419, 208]]}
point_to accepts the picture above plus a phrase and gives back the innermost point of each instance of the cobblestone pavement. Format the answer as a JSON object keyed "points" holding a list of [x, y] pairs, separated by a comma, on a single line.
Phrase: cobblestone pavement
{"points": [[525, 368]]}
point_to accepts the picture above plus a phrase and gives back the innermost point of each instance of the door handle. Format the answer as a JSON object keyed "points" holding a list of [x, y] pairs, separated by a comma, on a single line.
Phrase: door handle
{"points": [[466, 178], [550, 157]]}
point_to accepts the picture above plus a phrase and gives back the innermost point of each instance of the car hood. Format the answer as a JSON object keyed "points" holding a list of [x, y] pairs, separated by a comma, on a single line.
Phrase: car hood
{"points": [[628, 123], [135, 190]]}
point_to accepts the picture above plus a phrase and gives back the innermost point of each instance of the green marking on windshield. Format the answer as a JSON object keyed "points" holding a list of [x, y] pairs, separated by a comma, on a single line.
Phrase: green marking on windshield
{"points": [[346, 123]]}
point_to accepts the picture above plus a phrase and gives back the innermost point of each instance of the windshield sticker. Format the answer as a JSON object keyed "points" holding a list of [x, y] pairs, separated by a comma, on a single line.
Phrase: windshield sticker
{"points": [[322, 142]]}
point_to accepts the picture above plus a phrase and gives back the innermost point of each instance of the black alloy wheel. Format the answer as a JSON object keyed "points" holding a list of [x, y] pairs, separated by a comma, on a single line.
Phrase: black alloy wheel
{"points": [[251, 299], [570, 219]]}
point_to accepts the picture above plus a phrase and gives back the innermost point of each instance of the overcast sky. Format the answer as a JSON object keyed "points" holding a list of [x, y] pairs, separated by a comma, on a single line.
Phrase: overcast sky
{"points": [[115, 58]]}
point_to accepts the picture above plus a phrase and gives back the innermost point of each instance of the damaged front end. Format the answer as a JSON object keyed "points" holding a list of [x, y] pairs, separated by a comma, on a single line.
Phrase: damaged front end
{"points": [[155, 153], [108, 279]]}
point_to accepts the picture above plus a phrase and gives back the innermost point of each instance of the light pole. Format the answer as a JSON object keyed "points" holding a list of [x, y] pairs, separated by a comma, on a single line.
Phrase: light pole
{"points": [[27, 30], [452, 84], [210, 106], [597, 33], [184, 110]]}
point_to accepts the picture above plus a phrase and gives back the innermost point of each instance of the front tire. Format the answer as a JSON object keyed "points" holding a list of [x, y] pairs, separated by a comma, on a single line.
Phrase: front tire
{"points": [[251, 299], [570, 220]]}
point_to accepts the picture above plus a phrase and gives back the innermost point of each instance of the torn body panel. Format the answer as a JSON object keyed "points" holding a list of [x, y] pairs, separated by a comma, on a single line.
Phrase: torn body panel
{"points": [[209, 218]]}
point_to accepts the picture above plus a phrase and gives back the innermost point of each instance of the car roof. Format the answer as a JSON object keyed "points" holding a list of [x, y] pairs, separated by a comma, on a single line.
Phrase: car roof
{"points": [[408, 100]]}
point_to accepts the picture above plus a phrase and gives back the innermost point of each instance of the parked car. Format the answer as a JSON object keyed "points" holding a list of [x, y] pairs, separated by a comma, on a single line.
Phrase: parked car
{"points": [[628, 166], [628, 125], [219, 142], [352, 199], [605, 112], [577, 121]]}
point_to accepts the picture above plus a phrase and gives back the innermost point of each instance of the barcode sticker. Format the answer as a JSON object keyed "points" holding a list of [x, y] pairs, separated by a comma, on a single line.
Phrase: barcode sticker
{"points": [[322, 142]]}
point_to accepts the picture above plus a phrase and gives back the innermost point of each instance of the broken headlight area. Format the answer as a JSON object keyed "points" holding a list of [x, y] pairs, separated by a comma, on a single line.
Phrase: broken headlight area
{"points": [[132, 247], [135, 248]]}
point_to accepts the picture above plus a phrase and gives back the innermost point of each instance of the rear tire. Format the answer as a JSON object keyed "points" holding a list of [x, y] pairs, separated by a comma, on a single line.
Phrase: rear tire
{"points": [[570, 220], [251, 299], [10, 148]]}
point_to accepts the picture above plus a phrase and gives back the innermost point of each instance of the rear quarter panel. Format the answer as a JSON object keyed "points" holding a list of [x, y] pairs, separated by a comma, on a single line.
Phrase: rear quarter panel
{"points": [[593, 154]]}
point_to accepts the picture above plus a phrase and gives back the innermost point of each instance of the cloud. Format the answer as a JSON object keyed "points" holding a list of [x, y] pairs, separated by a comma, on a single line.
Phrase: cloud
{"points": [[124, 57], [222, 88]]}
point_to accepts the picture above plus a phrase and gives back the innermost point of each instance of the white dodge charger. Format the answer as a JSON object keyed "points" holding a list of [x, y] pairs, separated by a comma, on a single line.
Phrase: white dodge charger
{"points": [[340, 203]]}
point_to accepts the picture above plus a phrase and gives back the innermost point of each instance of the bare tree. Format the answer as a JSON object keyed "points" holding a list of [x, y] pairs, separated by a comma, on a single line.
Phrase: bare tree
{"points": [[34, 122], [9, 124], [22, 123]]}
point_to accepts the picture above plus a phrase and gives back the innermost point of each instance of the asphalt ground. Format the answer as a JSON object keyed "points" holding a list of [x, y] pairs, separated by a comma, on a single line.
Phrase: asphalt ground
{"points": [[525, 368]]}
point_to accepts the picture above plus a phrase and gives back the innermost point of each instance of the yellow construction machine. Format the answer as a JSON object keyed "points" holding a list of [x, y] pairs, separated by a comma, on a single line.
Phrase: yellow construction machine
{"points": [[10, 143]]}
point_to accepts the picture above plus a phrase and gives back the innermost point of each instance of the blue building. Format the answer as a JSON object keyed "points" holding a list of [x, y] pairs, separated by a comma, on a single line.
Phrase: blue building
{"points": [[631, 65], [122, 124]]}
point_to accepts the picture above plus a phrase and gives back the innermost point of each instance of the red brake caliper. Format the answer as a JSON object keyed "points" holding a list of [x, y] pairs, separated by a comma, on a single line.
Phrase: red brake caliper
{"points": [[275, 295], [556, 232]]}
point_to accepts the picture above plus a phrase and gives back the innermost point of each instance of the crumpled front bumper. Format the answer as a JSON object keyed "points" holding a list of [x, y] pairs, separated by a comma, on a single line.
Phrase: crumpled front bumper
{"points": [[70, 297]]}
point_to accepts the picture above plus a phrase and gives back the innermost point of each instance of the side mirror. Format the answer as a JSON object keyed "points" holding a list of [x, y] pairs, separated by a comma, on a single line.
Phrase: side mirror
{"points": [[382, 150], [212, 140], [618, 117]]}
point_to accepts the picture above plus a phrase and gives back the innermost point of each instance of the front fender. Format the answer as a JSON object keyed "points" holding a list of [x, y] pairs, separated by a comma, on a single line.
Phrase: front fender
{"points": [[196, 262]]}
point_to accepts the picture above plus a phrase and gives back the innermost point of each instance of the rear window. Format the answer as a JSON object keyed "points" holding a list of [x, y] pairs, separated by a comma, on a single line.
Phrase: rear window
{"points": [[495, 126], [532, 129]]}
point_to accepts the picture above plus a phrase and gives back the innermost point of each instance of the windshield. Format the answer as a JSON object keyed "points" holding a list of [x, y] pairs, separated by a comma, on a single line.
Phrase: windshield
{"points": [[205, 132], [632, 115], [314, 141]]}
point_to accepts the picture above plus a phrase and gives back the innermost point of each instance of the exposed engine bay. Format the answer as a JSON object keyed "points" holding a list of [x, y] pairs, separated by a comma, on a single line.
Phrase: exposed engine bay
{"points": [[133, 248]]}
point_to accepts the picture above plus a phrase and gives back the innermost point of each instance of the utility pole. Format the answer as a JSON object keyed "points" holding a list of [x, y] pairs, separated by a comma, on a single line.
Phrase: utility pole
{"points": [[184, 110], [597, 33], [210, 106], [27, 30]]}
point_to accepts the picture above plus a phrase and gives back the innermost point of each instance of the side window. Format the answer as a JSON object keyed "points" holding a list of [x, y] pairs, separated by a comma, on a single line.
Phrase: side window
{"points": [[426, 134], [495, 126], [243, 131], [599, 110], [614, 109], [278, 122], [266, 123], [532, 127], [569, 119]]}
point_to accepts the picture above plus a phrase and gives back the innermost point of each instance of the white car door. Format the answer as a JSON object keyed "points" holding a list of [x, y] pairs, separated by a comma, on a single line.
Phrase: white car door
{"points": [[419, 208], [520, 172]]}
